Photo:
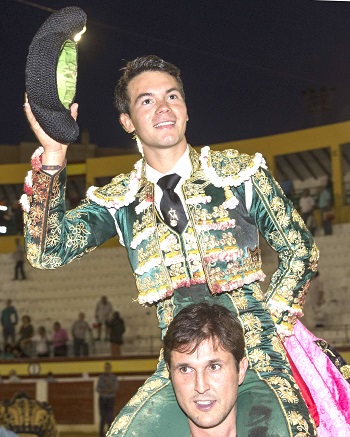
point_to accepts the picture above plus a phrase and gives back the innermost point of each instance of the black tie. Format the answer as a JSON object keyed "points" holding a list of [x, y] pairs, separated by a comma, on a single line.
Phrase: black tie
{"points": [[170, 204]]}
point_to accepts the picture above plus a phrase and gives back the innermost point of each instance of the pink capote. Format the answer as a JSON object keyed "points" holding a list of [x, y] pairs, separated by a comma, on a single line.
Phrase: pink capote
{"points": [[329, 389]]}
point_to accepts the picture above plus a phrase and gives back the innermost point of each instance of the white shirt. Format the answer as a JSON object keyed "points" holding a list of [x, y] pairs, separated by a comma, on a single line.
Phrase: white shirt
{"points": [[306, 204], [41, 344], [183, 168]]}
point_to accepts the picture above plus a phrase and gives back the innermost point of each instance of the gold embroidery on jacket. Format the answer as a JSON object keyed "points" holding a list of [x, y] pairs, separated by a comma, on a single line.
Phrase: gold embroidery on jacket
{"points": [[284, 389], [277, 206], [252, 326], [296, 419], [120, 425], [149, 285], [77, 236], [260, 360], [147, 220], [55, 194], [264, 183], [118, 187], [277, 346], [257, 292], [239, 299], [225, 165]]}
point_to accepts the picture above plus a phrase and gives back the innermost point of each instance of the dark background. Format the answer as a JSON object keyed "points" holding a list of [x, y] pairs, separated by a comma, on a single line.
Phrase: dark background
{"points": [[250, 68]]}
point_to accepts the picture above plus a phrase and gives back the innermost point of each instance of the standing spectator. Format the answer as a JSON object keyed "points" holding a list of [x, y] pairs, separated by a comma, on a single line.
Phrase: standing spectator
{"points": [[314, 308], [41, 341], [107, 386], [103, 313], [117, 329], [80, 330], [9, 320], [287, 187], [17, 217], [26, 332], [325, 203], [18, 256], [306, 205], [59, 340]]}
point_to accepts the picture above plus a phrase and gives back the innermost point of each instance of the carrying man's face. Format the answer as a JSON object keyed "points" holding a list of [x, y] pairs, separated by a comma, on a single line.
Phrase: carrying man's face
{"points": [[206, 384]]}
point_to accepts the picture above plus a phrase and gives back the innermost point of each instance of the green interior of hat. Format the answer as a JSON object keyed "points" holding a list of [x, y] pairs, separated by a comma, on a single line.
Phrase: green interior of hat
{"points": [[66, 73]]}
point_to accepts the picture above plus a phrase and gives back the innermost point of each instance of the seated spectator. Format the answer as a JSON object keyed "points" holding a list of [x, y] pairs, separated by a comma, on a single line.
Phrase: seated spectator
{"points": [[17, 352], [13, 377], [7, 353], [42, 344], [26, 332], [80, 331], [50, 377], [59, 340]]}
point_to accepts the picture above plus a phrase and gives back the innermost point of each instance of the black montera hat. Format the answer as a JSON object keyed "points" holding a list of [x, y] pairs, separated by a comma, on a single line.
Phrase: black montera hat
{"points": [[51, 73]]}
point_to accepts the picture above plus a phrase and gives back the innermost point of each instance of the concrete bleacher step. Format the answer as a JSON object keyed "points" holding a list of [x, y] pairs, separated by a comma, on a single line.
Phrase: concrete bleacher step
{"points": [[50, 295]]}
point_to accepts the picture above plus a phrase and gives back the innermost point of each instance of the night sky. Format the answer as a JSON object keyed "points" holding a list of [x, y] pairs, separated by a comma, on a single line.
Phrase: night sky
{"points": [[245, 64]]}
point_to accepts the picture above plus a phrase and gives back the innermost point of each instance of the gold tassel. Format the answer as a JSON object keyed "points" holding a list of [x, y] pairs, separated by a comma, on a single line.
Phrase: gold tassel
{"points": [[228, 193]]}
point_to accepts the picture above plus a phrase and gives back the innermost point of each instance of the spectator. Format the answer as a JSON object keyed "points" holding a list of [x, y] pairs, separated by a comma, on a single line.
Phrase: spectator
{"points": [[80, 330], [13, 377], [287, 187], [107, 386], [17, 217], [314, 307], [17, 352], [59, 340], [325, 203], [8, 353], [42, 344], [306, 205], [26, 332], [103, 313], [18, 256], [9, 320], [50, 377], [117, 329]]}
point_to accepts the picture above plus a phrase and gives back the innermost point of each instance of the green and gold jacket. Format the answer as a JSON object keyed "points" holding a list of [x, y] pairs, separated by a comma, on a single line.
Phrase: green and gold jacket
{"points": [[230, 198]]}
